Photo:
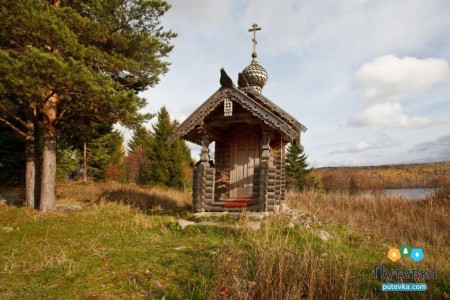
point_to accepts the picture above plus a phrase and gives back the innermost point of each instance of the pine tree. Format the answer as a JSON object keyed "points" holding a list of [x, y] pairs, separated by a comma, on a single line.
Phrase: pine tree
{"points": [[62, 60], [142, 137], [104, 151], [297, 173], [68, 160], [167, 163]]}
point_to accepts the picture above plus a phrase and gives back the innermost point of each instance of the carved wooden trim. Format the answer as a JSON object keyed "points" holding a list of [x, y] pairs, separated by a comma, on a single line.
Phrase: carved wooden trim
{"points": [[204, 154], [196, 118], [263, 113], [275, 108], [262, 195], [267, 111], [198, 190]]}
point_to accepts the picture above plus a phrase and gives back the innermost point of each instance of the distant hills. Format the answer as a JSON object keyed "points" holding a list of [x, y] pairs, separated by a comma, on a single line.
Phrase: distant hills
{"points": [[418, 175]]}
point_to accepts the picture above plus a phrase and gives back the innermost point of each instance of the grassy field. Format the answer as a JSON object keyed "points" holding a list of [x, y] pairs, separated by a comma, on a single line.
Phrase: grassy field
{"points": [[125, 244]]}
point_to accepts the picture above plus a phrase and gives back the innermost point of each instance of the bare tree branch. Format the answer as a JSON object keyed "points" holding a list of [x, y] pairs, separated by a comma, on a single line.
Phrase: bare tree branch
{"points": [[16, 118], [23, 134]]}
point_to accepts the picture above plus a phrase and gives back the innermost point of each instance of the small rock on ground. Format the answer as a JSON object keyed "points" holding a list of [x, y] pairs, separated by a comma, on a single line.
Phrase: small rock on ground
{"points": [[202, 215], [180, 248], [254, 225], [185, 223], [208, 223], [65, 207], [290, 225], [305, 218], [7, 229], [324, 235], [257, 216]]}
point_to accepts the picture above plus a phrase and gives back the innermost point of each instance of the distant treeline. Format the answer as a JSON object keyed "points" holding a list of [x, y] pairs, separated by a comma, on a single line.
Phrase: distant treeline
{"points": [[420, 175]]}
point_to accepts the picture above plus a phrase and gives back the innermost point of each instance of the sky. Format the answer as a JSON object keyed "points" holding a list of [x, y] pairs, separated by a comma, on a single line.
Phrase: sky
{"points": [[369, 79]]}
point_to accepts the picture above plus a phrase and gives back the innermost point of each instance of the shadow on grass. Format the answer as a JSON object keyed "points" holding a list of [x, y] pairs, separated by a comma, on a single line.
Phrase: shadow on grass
{"points": [[151, 202]]}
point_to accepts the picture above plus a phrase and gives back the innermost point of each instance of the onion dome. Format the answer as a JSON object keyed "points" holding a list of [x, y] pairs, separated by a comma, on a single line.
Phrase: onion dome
{"points": [[255, 75]]}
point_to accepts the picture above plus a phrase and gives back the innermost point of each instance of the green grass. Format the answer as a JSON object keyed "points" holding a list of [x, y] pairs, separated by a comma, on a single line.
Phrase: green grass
{"points": [[109, 250], [112, 250]]}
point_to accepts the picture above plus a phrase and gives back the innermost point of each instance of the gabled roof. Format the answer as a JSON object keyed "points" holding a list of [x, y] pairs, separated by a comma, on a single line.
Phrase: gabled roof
{"points": [[258, 105], [275, 108]]}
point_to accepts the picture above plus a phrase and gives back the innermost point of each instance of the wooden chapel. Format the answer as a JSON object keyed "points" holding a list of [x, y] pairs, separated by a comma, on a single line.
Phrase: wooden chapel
{"points": [[250, 134]]}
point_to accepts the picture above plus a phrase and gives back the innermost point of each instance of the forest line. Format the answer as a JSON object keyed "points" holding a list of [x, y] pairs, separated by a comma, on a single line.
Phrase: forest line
{"points": [[416, 175]]}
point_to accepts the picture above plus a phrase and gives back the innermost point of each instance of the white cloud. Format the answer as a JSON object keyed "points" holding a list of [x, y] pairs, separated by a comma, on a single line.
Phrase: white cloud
{"points": [[387, 114], [389, 78], [377, 142], [312, 50], [201, 14]]}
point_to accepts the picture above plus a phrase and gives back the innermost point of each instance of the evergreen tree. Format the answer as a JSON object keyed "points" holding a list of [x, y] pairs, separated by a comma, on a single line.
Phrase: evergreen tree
{"points": [[62, 60], [298, 176], [167, 164], [104, 151], [68, 160], [142, 137]]}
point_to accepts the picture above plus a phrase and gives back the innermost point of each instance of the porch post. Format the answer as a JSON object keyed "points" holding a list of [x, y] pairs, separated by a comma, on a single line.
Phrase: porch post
{"points": [[204, 154], [204, 179], [263, 168]]}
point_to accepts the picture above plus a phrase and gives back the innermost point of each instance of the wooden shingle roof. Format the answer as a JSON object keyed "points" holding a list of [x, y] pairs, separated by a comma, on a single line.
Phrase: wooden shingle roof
{"points": [[255, 103]]}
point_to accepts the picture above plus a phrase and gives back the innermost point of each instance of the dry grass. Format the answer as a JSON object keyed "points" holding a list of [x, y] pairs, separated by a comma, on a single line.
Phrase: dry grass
{"points": [[391, 221], [123, 244], [292, 265], [418, 222], [277, 266], [137, 196]]}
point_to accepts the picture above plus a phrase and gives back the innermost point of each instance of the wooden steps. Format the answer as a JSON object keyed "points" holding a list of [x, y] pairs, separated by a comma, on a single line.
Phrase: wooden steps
{"points": [[238, 202]]}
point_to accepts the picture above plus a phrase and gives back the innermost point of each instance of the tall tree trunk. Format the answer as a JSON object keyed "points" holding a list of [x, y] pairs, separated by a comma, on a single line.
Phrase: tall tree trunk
{"points": [[30, 169], [84, 164], [31, 136], [37, 162], [48, 181], [48, 175]]}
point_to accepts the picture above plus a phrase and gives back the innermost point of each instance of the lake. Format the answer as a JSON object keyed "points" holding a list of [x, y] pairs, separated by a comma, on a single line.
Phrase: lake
{"points": [[417, 193]]}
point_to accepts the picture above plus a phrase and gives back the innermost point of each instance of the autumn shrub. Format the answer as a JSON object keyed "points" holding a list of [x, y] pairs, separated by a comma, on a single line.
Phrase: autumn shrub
{"points": [[441, 189], [113, 172], [439, 194]]}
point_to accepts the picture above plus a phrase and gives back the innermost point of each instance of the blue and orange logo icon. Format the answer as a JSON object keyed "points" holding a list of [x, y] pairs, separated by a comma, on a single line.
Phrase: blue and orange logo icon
{"points": [[417, 254], [405, 250], [394, 254]]}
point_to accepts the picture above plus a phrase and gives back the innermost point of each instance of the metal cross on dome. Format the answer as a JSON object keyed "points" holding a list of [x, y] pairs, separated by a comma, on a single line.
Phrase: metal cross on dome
{"points": [[254, 28]]}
